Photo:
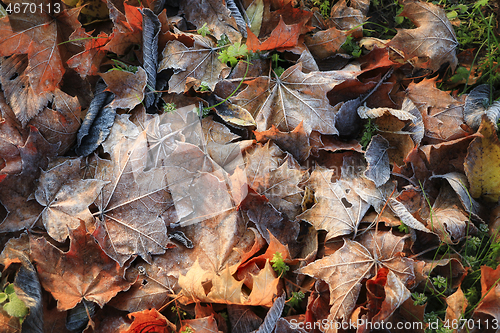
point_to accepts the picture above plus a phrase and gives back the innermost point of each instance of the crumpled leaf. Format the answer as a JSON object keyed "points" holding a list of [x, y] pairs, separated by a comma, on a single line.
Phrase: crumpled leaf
{"points": [[128, 87], [378, 160], [206, 324], [345, 269], [293, 97], [277, 180], [84, 272], [65, 198], [476, 104], [97, 123], [338, 208], [325, 43], [295, 142], [199, 63], [433, 41], [481, 163], [349, 17]]}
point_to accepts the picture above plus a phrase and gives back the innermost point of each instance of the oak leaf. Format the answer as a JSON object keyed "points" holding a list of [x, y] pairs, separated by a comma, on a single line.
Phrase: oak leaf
{"points": [[434, 38], [293, 97], [346, 268], [84, 272]]}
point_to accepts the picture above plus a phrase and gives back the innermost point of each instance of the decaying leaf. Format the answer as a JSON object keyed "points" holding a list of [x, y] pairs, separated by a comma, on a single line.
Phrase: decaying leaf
{"points": [[84, 272], [345, 269], [433, 42], [481, 163], [378, 160]]}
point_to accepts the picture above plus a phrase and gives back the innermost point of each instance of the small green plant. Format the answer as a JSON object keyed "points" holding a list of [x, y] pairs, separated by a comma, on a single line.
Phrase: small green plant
{"points": [[440, 282], [351, 47], [279, 264], [403, 228], [169, 107], [297, 297], [188, 329], [370, 129], [278, 70], [12, 304], [232, 53], [204, 30], [204, 87], [324, 7], [121, 66], [419, 298]]}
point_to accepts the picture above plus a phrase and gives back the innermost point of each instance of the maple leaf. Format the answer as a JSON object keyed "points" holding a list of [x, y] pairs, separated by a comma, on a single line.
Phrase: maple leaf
{"points": [[127, 28], [149, 320], [275, 179], [339, 209], [132, 197], [283, 36], [345, 269], [38, 36], [293, 97], [87, 62], [199, 63], [434, 38], [84, 272], [128, 87], [325, 43], [65, 198]]}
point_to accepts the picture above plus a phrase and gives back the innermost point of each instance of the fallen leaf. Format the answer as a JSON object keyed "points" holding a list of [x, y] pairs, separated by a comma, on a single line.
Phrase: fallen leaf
{"points": [[490, 290], [128, 87], [149, 321], [293, 97], [378, 160], [65, 198], [283, 36], [457, 305], [131, 197], [127, 28], [433, 40], [199, 62], [295, 142], [207, 324], [481, 163], [84, 272], [346, 268], [88, 62], [325, 43], [338, 208]]}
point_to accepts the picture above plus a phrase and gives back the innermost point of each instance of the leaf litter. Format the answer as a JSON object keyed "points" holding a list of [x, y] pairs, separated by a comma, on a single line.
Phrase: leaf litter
{"points": [[264, 209]]}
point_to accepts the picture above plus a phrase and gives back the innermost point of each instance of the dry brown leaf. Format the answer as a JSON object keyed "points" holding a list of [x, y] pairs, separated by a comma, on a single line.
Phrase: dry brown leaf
{"points": [[433, 41], [490, 292], [338, 208], [128, 87], [346, 268], [193, 65], [293, 97]]}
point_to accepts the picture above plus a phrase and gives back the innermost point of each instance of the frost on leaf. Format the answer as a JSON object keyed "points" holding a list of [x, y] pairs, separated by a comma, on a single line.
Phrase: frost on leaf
{"points": [[355, 261], [131, 204], [293, 97], [338, 208], [433, 42]]}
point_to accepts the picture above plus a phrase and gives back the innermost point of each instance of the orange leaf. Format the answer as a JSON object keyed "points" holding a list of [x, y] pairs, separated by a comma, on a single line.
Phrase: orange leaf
{"points": [[283, 36], [149, 321]]}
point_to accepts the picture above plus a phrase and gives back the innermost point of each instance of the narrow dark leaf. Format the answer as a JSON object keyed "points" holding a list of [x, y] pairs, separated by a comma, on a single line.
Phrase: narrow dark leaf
{"points": [[31, 294], [78, 317], [378, 160], [235, 12], [150, 28], [272, 316], [97, 123], [475, 105], [347, 120]]}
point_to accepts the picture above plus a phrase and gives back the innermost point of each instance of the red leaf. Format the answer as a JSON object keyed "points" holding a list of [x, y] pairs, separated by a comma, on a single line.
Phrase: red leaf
{"points": [[282, 36]]}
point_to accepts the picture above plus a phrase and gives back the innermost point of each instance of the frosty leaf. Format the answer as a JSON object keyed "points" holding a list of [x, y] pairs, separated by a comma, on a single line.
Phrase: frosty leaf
{"points": [[345, 269], [293, 97], [338, 209], [378, 161]]}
